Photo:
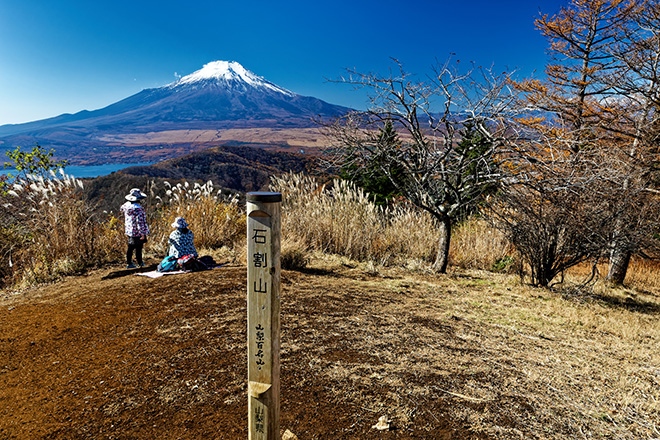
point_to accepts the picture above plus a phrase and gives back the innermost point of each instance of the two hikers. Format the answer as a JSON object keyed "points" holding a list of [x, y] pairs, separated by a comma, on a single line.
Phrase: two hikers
{"points": [[136, 230]]}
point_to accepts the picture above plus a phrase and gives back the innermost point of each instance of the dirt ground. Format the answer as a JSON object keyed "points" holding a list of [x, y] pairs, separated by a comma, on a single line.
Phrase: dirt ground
{"points": [[111, 355], [116, 356]]}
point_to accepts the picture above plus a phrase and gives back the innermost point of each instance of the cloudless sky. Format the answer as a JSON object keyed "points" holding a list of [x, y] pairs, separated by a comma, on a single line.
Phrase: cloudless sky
{"points": [[69, 55]]}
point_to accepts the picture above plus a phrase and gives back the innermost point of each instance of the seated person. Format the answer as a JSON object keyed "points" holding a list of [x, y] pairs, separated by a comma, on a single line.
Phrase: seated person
{"points": [[181, 239]]}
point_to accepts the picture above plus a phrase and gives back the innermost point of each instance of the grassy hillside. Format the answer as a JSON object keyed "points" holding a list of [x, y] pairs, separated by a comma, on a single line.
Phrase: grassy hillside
{"points": [[468, 355], [368, 331]]}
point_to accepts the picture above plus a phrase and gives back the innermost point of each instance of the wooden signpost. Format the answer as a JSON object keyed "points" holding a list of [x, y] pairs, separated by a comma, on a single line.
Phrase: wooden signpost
{"points": [[263, 320]]}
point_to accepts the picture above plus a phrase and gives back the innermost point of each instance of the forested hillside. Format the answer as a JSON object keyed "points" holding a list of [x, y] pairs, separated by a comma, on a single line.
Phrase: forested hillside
{"points": [[241, 168], [234, 169]]}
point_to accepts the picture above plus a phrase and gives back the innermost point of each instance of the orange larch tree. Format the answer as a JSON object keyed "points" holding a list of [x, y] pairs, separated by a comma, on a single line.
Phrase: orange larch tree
{"points": [[600, 95]]}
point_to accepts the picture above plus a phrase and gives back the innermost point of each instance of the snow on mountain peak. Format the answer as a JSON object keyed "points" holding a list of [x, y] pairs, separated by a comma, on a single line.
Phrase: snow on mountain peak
{"points": [[229, 71]]}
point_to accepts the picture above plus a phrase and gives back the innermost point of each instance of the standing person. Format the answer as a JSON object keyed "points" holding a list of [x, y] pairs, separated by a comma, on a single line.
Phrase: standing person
{"points": [[181, 239], [136, 229]]}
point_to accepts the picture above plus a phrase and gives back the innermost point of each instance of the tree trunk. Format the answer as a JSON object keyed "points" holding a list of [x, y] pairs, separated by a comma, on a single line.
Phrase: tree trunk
{"points": [[619, 256], [442, 257], [619, 261]]}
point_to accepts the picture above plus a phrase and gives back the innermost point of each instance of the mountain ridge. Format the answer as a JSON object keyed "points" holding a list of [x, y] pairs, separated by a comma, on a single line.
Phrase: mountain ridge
{"points": [[220, 96]]}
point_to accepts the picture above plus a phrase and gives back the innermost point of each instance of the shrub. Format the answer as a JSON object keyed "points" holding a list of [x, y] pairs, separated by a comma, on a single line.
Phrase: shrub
{"points": [[477, 245], [216, 219], [294, 255], [342, 219], [51, 230]]}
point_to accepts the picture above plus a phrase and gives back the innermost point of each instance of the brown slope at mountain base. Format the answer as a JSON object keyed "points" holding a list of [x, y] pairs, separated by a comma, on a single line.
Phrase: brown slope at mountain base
{"points": [[292, 137], [166, 144]]}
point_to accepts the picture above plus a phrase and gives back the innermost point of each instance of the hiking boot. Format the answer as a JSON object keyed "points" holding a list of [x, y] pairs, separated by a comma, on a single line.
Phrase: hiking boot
{"points": [[131, 266]]}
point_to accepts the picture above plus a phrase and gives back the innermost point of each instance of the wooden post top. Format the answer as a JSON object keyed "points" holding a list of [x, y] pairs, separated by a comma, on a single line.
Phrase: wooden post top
{"points": [[264, 197]]}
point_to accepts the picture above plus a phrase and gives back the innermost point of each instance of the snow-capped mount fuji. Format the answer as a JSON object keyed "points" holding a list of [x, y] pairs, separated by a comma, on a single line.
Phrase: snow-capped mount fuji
{"points": [[220, 103], [231, 74]]}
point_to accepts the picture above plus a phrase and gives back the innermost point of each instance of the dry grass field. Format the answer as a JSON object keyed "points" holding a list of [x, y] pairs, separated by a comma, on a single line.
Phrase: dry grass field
{"points": [[467, 355]]}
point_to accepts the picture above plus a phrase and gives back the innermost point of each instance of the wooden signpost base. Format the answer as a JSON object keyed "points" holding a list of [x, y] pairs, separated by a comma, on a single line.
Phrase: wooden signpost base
{"points": [[263, 320]]}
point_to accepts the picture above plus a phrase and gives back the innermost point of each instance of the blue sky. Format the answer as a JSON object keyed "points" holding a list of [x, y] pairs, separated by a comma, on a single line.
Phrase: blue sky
{"points": [[69, 55]]}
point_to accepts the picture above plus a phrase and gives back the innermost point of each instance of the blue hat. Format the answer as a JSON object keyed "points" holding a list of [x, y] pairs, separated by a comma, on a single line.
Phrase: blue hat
{"points": [[180, 222]]}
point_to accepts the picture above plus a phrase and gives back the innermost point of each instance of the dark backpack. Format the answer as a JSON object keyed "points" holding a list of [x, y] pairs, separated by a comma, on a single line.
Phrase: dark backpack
{"points": [[208, 261], [168, 264]]}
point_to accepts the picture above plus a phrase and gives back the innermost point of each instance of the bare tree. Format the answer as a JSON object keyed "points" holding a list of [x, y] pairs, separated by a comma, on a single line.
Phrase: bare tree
{"points": [[602, 92], [555, 207], [441, 166], [561, 208]]}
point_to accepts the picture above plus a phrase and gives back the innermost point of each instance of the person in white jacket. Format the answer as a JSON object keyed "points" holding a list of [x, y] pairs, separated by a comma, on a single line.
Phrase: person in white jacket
{"points": [[135, 226]]}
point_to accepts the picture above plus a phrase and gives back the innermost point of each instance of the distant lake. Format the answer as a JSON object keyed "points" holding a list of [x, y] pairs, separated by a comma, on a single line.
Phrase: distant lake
{"points": [[89, 171]]}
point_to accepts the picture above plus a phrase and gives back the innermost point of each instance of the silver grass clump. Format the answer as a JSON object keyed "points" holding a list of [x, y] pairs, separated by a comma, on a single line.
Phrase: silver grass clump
{"points": [[185, 192], [341, 218], [40, 190]]}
